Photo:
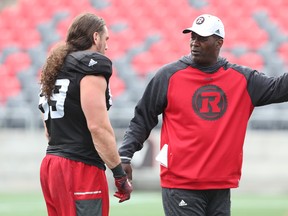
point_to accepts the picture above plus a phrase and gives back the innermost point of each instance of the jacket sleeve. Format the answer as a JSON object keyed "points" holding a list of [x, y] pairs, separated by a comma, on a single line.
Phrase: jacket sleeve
{"points": [[266, 90], [147, 110]]}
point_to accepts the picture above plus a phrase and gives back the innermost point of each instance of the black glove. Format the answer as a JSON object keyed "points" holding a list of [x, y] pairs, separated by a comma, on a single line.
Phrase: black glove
{"points": [[123, 185]]}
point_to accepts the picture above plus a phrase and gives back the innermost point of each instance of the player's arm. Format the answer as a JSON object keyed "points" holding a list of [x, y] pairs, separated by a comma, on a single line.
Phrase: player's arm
{"points": [[93, 101]]}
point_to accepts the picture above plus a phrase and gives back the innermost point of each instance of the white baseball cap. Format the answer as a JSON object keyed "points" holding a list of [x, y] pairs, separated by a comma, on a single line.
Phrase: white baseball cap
{"points": [[206, 25]]}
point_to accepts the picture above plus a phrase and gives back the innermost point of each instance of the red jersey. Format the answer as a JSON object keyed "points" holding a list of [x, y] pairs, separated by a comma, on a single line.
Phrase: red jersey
{"points": [[205, 115]]}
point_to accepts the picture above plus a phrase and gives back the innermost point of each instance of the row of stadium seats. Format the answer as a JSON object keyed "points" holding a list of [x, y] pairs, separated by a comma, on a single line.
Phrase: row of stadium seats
{"points": [[144, 35]]}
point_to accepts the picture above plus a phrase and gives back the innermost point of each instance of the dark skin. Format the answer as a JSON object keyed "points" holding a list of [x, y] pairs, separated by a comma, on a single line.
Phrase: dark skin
{"points": [[128, 169], [204, 52]]}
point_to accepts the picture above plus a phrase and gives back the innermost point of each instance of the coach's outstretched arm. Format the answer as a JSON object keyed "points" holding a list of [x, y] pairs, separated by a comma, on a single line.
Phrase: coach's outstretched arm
{"points": [[151, 105]]}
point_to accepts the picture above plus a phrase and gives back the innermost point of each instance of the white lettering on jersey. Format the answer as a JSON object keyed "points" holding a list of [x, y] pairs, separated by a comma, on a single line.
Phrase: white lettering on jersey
{"points": [[57, 100]]}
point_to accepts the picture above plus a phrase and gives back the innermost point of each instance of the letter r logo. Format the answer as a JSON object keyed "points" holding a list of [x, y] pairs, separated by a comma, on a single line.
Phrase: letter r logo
{"points": [[209, 102]]}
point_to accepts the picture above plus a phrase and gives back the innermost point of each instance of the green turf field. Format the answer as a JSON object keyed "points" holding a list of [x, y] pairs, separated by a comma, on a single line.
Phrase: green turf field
{"points": [[144, 204]]}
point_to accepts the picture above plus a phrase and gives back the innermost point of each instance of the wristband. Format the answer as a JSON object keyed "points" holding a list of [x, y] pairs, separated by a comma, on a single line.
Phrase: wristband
{"points": [[118, 171], [126, 160]]}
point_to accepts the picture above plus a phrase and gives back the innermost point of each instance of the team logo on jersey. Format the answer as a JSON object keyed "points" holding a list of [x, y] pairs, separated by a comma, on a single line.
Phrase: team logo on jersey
{"points": [[209, 102]]}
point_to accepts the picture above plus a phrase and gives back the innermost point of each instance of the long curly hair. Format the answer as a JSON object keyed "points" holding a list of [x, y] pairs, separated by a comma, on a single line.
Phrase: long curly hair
{"points": [[79, 37]]}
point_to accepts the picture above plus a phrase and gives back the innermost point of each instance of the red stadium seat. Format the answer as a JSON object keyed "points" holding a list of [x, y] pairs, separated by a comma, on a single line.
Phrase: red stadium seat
{"points": [[63, 26], [10, 15], [243, 35], [121, 42], [10, 86], [31, 38], [76, 7], [143, 19], [252, 60], [280, 16], [7, 39], [163, 51], [144, 63], [17, 62], [229, 56]]}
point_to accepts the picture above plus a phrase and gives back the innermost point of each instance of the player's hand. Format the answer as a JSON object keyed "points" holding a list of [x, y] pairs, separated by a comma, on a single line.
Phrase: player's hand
{"points": [[128, 170], [124, 188]]}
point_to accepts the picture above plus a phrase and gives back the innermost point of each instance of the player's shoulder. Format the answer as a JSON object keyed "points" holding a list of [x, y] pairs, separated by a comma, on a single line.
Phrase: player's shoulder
{"points": [[89, 62], [86, 56]]}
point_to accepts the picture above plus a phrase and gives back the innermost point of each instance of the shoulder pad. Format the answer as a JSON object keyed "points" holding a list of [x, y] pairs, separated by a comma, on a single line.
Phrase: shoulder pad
{"points": [[89, 63]]}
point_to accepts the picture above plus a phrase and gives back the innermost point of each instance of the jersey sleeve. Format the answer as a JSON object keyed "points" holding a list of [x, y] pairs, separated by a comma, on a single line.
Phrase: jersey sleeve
{"points": [[266, 90]]}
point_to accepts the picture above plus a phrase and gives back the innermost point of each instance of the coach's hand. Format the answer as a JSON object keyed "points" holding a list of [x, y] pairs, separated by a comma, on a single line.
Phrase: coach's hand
{"points": [[128, 170], [124, 188]]}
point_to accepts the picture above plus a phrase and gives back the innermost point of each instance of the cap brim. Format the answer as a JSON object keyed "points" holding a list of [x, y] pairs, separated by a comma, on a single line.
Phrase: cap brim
{"points": [[185, 31], [188, 30]]}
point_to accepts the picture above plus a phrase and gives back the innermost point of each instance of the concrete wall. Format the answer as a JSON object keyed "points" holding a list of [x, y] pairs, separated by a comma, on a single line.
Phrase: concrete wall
{"points": [[264, 169]]}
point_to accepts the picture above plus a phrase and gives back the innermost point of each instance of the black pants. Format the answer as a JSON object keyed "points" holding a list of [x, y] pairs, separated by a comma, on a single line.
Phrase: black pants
{"points": [[178, 202]]}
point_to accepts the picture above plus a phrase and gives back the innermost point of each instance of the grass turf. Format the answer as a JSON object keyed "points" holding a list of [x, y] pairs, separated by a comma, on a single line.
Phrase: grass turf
{"points": [[144, 204]]}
